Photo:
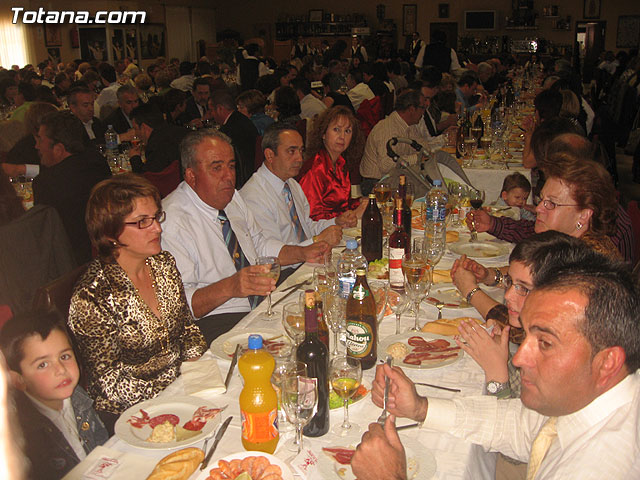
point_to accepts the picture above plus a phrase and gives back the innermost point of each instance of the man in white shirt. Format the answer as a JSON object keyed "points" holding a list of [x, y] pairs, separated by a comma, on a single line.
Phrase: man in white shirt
{"points": [[277, 200], [358, 90], [580, 384], [185, 81], [215, 239], [310, 105], [108, 96], [405, 121]]}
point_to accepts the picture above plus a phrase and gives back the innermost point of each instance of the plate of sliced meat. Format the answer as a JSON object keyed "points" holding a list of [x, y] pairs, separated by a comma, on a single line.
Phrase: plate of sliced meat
{"points": [[336, 461], [420, 350]]}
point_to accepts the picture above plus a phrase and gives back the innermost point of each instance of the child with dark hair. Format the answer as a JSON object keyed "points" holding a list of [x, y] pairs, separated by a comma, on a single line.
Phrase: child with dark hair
{"points": [[515, 191], [56, 415]]}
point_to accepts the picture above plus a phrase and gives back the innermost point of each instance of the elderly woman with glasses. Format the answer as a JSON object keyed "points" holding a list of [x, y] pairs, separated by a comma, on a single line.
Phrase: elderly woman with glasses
{"points": [[129, 315]]}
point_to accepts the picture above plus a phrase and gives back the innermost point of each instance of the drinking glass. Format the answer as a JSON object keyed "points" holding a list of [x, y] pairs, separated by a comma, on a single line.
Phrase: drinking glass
{"points": [[345, 375], [379, 289], [417, 281], [335, 315], [418, 245], [398, 303], [284, 366], [274, 272], [300, 402], [476, 198], [293, 322], [410, 194], [323, 282], [435, 244], [382, 191]]}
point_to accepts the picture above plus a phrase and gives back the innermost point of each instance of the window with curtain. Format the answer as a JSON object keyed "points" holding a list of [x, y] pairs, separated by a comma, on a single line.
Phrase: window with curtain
{"points": [[13, 42]]}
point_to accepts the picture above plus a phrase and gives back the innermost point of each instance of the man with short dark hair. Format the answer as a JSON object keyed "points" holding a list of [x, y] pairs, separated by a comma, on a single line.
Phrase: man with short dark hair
{"points": [[240, 129], [81, 104], [310, 105], [467, 89], [120, 119], [108, 97], [196, 106], [580, 393], [161, 141], [68, 172], [358, 89], [185, 81], [215, 240]]}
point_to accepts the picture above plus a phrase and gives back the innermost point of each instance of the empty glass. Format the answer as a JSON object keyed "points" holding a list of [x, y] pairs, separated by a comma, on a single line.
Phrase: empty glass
{"points": [[300, 403], [293, 322]]}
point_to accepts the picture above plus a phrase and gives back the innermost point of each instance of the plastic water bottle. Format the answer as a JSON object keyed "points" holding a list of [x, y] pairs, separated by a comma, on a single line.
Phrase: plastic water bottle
{"points": [[435, 229], [111, 141], [349, 262]]}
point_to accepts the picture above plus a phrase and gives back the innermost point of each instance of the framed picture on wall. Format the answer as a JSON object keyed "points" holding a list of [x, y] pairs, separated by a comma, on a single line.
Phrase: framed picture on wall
{"points": [[152, 40], [93, 44], [52, 35], [443, 10], [54, 55], [592, 8], [315, 16], [117, 44], [409, 18], [628, 35], [131, 43]]}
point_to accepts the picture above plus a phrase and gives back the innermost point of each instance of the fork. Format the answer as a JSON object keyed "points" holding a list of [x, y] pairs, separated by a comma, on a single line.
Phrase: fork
{"points": [[383, 416]]}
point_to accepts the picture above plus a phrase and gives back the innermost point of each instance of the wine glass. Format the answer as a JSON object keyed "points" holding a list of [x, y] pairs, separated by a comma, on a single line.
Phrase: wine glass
{"points": [[410, 194], [382, 191], [397, 301], [284, 366], [345, 375], [300, 402], [274, 272], [435, 244], [379, 290], [417, 281], [476, 198], [293, 322], [334, 314]]}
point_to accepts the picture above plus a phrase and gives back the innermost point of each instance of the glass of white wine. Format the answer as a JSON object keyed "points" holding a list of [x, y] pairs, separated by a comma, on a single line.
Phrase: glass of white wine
{"points": [[417, 281], [274, 272], [345, 375]]}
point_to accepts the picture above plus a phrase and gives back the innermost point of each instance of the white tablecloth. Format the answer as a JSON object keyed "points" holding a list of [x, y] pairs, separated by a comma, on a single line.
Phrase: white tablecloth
{"points": [[456, 459]]}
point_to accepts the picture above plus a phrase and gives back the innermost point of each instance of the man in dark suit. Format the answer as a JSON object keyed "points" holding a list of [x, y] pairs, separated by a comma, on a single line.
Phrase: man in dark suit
{"points": [[240, 129], [120, 118], [197, 103], [81, 106], [69, 172], [161, 140]]}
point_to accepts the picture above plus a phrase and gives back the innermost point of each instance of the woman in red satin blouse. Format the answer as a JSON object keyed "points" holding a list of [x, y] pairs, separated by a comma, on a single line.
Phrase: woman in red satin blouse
{"points": [[334, 143]]}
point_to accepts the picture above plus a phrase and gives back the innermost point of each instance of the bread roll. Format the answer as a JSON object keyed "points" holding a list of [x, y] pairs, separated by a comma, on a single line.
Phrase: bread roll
{"points": [[442, 276], [447, 326], [178, 465], [452, 236]]}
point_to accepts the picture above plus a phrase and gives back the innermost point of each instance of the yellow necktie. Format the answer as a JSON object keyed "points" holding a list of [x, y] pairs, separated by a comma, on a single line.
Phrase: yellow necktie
{"points": [[541, 444]]}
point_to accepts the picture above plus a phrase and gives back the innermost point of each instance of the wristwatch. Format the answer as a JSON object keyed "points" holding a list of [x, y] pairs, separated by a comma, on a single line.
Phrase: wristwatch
{"points": [[494, 387], [497, 279]]}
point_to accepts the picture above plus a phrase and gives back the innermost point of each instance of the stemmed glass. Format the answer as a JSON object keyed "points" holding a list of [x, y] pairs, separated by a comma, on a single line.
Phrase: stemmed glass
{"points": [[435, 244], [300, 402], [284, 367], [398, 304], [274, 272], [334, 314], [410, 194], [382, 191], [345, 375], [417, 281], [293, 322], [476, 198]]}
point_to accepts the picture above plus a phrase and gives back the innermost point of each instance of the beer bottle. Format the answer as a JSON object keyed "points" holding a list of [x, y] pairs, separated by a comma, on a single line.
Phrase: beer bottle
{"points": [[362, 324], [372, 231]]}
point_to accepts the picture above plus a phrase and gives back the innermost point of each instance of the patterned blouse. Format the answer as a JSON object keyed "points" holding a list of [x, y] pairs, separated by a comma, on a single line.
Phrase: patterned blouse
{"points": [[129, 354]]}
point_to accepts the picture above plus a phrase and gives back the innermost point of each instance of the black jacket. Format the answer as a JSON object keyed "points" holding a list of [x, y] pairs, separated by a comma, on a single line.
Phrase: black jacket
{"points": [[118, 121], [243, 134], [438, 55], [163, 147], [191, 112]]}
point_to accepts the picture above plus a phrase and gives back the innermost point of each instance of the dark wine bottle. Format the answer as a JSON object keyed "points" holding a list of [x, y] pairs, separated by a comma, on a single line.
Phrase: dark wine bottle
{"points": [[372, 231], [406, 210], [459, 143], [323, 329], [399, 245], [466, 125], [315, 355], [479, 124], [362, 324]]}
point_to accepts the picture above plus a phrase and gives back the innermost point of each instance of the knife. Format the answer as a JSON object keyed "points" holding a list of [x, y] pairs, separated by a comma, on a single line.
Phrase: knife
{"points": [[292, 289], [219, 435], [234, 360], [411, 425]]}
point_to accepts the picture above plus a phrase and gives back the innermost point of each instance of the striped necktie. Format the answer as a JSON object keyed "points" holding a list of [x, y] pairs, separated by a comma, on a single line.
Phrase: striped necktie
{"points": [[235, 250], [541, 445], [297, 226]]}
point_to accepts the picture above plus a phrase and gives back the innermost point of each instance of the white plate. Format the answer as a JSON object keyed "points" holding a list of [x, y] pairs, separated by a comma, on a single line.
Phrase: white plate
{"points": [[421, 464], [224, 346], [449, 295], [479, 249], [183, 407], [286, 471], [352, 232], [403, 337]]}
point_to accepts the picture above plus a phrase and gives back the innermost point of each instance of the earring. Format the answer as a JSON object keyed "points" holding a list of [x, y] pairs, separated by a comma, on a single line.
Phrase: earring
{"points": [[578, 225], [114, 244]]}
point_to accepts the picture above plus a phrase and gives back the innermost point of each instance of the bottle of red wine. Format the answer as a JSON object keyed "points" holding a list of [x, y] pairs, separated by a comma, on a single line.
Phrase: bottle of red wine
{"points": [[399, 245], [406, 210], [316, 356], [372, 231]]}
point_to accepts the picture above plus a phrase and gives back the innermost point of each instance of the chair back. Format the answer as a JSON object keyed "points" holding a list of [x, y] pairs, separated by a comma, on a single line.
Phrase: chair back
{"points": [[167, 180], [58, 293], [369, 113], [634, 214]]}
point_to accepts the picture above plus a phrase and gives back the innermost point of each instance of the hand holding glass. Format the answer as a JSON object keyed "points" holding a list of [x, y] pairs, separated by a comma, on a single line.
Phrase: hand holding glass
{"points": [[274, 272]]}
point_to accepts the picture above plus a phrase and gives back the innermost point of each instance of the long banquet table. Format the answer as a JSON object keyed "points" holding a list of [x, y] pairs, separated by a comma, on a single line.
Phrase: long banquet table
{"points": [[455, 458]]}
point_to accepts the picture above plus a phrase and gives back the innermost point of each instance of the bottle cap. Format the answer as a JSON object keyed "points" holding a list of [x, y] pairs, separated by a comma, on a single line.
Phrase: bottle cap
{"points": [[352, 244], [255, 342], [372, 195], [361, 272], [437, 183]]}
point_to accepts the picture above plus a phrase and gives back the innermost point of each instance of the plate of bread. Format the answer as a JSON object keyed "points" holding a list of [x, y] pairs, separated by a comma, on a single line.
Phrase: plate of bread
{"points": [[167, 423]]}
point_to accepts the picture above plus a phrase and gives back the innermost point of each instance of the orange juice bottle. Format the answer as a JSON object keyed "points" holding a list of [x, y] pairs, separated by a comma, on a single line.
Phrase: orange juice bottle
{"points": [[258, 400]]}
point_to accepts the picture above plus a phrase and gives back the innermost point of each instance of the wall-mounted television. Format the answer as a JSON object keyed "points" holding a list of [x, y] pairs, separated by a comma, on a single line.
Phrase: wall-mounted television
{"points": [[480, 20]]}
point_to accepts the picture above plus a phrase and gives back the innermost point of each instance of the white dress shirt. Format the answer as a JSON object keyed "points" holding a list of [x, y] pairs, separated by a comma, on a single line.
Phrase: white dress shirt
{"points": [[193, 235], [311, 106], [184, 83], [359, 93], [375, 162], [263, 195], [108, 96], [599, 441], [88, 126]]}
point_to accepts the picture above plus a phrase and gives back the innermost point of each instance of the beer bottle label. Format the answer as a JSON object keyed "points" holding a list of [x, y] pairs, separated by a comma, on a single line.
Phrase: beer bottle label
{"points": [[359, 339], [259, 427], [359, 292]]}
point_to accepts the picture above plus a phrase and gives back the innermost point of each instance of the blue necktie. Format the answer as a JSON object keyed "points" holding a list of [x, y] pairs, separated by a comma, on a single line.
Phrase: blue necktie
{"points": [[235, 250], [297, 226]]}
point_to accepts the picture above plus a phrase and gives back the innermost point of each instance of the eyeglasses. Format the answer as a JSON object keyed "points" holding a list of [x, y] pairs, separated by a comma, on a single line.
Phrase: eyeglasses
{"points": [[146, 222], [549, 205], [520, 289]]}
